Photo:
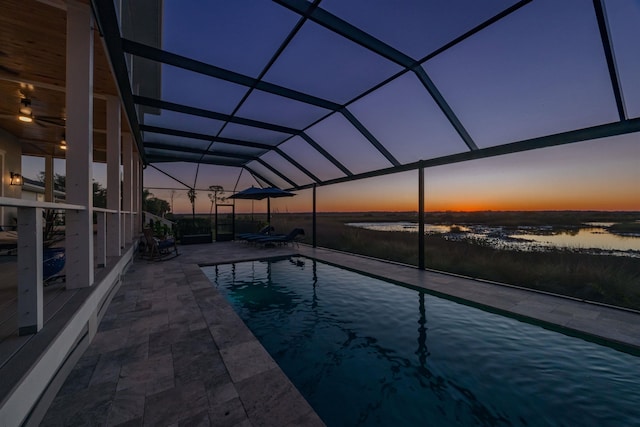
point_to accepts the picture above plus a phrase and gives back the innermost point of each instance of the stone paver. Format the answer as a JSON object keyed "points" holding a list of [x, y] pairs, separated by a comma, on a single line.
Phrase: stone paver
{"points": [[171, 351]]}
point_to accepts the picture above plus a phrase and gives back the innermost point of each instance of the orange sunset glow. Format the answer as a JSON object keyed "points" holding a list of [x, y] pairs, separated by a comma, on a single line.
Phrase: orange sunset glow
{"points": [[593, 175]]}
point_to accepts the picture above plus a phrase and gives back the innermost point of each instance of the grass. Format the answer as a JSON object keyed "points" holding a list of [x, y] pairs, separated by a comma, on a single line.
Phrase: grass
{"points": [[601, 278]]}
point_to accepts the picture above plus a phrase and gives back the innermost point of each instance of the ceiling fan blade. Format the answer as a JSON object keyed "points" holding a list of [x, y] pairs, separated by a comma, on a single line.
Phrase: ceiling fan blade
{"points": [[48, 120], [10, 71]]}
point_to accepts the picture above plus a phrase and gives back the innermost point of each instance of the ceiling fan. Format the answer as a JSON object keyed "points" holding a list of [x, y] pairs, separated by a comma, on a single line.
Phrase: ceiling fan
{"points": [[25, 114]]}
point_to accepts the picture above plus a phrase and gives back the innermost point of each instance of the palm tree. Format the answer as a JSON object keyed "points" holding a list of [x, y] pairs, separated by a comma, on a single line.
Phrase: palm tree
{"points": [[192, 198]]}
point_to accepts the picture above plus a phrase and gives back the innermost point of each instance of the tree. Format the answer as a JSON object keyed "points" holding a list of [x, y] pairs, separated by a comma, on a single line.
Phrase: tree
{"points": [[154, 205], [60, 184], [192, 198], [59, 181], [99, 195]]}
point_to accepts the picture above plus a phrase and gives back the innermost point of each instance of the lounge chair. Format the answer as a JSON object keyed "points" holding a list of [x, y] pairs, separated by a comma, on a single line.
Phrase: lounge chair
{"points": [[158, 250], [263, 232], [282, 239]]}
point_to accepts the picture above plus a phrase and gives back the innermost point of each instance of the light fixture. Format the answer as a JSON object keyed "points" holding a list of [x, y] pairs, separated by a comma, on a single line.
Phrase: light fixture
{"points": [[26, 114], [16, 179], [63, 143]]}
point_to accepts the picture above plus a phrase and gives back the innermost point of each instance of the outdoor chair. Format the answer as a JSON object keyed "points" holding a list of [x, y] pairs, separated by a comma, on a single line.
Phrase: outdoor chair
{"points": [[263, 232], [281, 239], [158, 250]]}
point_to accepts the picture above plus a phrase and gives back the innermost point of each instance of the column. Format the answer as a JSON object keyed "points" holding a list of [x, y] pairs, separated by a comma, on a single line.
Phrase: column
{"points": [[127, 164], [113, 177], [79, 134]]}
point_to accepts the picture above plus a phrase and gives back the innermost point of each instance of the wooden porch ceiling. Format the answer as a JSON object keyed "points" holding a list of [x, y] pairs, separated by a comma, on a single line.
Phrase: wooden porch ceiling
{"points": [[33, 66]]}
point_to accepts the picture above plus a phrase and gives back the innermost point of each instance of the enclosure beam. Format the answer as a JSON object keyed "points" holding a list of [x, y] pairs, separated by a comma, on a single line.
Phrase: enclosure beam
{"points": [[204, 137], [421, 218], [314, 224], [296, 164], [570, 137], [179, 108], [326, 154], [372, 139], [275, 171], [109, 28], [185, 63], [607, 45], [345, 29], [256, 174]]}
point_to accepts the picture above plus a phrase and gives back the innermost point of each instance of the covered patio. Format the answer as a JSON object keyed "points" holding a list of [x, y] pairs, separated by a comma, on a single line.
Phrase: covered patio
{"points": [[290, 94], [171, 350]]}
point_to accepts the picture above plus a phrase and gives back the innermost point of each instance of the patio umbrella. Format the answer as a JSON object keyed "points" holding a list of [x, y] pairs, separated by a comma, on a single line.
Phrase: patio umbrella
{"points": [[255, 193]]}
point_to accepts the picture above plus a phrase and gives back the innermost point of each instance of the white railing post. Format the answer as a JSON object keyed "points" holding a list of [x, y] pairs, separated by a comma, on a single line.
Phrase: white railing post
{"points": [[101, 239], [30, 306]]}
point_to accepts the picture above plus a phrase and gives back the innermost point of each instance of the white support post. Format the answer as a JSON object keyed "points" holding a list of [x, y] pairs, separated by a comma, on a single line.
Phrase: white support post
{"points": [[135, 229], [138, 195], [79, 155], [127, 164], [114, 243], [101, 239], [30, 304]]}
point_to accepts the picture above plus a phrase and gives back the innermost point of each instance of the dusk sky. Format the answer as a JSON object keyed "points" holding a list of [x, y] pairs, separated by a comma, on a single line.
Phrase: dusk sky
{"points": [[539, 71]]}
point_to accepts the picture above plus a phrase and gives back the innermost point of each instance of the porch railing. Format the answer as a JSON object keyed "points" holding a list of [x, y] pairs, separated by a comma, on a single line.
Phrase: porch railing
{"points": [[30, 252]]}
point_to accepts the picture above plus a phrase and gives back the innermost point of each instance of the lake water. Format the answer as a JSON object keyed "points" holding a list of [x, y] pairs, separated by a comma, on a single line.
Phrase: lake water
{"points": [[594, 238]]}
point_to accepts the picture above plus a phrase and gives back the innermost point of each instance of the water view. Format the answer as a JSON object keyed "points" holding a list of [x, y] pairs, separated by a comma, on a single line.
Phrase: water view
{"points": [[593, 238]]}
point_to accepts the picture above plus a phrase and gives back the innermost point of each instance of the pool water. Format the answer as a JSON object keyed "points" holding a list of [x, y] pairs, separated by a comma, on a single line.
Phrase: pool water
{"points": [[365, 352]]}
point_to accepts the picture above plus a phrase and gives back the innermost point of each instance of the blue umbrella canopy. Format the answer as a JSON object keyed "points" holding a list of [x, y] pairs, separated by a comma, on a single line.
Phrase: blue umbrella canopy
{"points": [[255, 193]]}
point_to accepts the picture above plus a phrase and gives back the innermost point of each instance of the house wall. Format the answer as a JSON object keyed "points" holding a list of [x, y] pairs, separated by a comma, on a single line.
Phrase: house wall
{"points": [[10, 161]]}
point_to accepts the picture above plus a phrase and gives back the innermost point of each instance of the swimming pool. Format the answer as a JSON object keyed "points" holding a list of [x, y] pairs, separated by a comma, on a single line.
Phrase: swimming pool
{"points": [[367, 352]]}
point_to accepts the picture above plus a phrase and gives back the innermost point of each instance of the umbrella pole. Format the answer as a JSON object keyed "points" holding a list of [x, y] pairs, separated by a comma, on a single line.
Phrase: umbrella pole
{"points": [[268, 210]]}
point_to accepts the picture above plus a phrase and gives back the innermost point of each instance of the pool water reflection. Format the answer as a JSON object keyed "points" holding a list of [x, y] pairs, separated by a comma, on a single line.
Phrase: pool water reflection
{"points": [[367, 352]]}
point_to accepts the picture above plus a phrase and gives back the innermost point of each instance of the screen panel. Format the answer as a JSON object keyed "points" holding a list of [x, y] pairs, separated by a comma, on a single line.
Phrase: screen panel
{"points": [[407, 121], [281, 164], [282, 111], [321, 63], [336, 135], [184, 122], [267, 174], [198, 90], [623, 18], [537, 72], [254, 27], [426, 25], [311, 159]]}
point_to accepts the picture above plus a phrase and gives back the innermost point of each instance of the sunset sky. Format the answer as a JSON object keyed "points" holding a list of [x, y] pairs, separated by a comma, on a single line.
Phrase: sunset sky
{"points": [[537, 72]]}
